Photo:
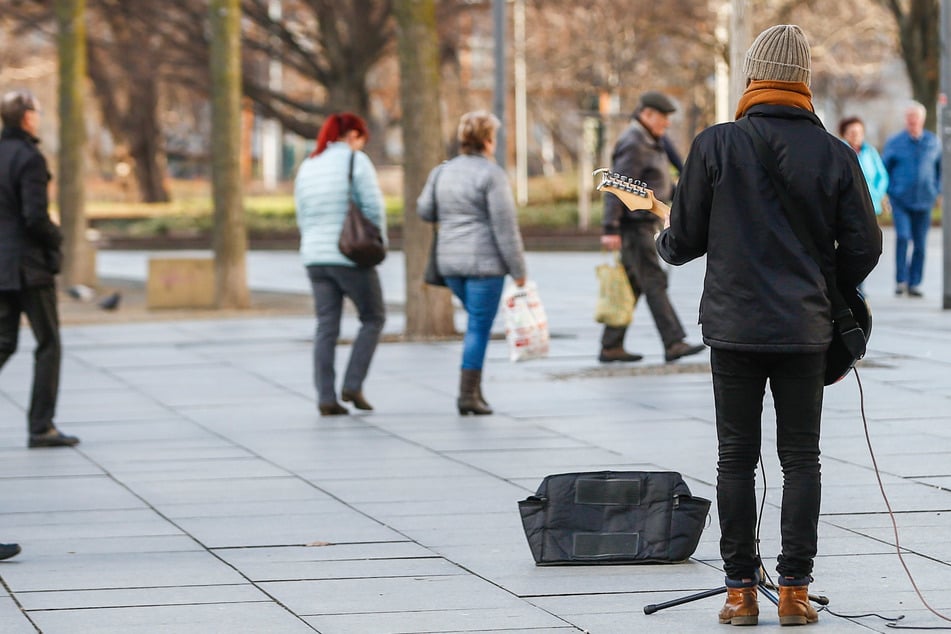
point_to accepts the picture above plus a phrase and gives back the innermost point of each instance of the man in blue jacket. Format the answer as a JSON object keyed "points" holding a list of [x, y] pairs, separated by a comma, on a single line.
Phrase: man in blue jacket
{"points": [[29, 261], [913, 160]]}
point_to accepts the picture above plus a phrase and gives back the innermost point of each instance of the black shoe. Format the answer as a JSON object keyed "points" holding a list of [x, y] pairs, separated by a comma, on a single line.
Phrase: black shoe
{"points": [[618, 354], [913, 291], [681, 349], [52, 438], [900, 289], [9, 550], [332, 409], [348, 396]]}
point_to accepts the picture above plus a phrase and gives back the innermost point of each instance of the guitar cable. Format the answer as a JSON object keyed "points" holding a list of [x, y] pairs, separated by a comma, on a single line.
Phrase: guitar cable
{"points": [[891, 516], [892, 621]]}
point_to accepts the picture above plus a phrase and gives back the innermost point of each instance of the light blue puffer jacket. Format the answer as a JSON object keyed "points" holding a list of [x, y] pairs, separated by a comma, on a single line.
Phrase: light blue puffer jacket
{"points": [[320, 197]]}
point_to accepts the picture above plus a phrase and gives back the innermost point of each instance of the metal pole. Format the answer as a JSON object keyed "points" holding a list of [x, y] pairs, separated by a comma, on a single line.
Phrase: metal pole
{"points": [[521, 106], [722, 68], [271, 128], [498, 102], [740, 40], [944, 123]]}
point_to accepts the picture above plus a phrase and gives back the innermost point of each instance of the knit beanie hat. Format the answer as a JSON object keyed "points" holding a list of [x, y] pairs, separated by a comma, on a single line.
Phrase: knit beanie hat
{"points": [[780, 53]]}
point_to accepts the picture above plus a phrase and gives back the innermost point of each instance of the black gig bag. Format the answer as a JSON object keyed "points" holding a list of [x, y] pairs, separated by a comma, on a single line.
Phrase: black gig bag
{"points": [[613, 517]]}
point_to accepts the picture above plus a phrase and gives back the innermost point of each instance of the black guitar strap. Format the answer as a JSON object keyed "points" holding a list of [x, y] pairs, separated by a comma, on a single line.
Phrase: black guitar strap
{"points": [[850, 331]]}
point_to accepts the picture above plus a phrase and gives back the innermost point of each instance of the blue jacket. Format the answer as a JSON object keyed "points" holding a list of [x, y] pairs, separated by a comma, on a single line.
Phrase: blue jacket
{"points": [[321, 199], [914, 170], [876, 176]]}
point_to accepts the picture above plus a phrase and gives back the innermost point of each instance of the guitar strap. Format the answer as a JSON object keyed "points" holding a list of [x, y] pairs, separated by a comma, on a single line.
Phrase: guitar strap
{"points": [[844, 321]]}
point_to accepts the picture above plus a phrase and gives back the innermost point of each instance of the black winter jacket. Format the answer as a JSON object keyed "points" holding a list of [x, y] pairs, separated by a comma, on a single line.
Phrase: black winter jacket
{"points": [[29, 241], [763, 292]]}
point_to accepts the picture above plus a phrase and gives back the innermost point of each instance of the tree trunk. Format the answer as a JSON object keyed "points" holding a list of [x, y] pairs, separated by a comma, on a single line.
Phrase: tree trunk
{"points": [[78, 262], [230, 239], [428, 308], [920, 50], [144, 135]]}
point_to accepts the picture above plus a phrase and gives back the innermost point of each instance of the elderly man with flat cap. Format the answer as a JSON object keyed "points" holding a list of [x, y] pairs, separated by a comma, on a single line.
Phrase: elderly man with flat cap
{"points": [[641, 154]]}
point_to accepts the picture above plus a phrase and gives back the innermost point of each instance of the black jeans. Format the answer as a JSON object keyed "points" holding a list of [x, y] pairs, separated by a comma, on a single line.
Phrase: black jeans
{"points": [[739, 384], [330, 284], [39, 306], [648, 279]]}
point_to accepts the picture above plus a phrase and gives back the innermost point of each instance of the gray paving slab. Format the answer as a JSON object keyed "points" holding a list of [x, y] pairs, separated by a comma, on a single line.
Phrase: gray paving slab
{"points": [[470, 621], [290, 530], [205, 469], [118, 570], [138, 597], [12, 619], [237, 618]]}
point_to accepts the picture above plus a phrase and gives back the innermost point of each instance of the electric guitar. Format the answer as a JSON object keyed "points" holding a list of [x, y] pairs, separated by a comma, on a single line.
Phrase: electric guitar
{"points": [[633, 193], [839, 359]]}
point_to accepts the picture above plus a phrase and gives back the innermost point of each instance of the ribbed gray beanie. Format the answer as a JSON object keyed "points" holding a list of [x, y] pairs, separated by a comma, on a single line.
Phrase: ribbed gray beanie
{"points": [[780, 53]]}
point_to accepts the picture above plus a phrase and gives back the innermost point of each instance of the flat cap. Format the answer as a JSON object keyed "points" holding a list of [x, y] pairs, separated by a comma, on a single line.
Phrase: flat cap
{"points": [[658, 101]]}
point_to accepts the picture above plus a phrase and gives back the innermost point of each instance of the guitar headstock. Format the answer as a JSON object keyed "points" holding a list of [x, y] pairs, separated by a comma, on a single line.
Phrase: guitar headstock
{"points": [[633, 193]]}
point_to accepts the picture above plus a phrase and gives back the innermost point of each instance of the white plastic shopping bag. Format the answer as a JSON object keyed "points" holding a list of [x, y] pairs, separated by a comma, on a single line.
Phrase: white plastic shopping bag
{"points": [[526, 326]]}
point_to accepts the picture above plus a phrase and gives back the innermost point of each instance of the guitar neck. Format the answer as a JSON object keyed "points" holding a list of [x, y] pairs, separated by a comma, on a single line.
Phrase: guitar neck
{"points": [[660, 210], [633, 194]]}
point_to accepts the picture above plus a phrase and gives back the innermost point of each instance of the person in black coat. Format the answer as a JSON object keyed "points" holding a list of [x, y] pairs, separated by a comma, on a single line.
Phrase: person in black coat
{"points": [[765, 310], [29, 261]]}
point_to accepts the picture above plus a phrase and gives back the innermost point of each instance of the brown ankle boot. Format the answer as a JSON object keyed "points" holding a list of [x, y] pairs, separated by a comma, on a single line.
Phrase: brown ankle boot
{"points": [[794, 606], [470, 399], [741, 607]]}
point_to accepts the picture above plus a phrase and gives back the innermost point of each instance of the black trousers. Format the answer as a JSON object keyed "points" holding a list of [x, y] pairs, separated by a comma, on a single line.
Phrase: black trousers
{"points": [[648, 280], [39, 306], [796, 383]]}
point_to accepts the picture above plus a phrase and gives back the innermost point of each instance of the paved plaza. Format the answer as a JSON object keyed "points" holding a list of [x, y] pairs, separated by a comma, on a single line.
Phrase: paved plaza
{"points": [[208, 495]]}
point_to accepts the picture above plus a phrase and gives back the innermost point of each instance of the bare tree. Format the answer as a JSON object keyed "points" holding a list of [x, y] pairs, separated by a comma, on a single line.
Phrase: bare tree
{"points": [[230, 239], [332, 43], [71, 44], [920, 47], [125, 65], [428, 308]]}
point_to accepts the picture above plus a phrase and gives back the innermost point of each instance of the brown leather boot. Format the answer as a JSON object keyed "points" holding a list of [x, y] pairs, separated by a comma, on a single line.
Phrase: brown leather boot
{"points": [[470, 399], [741, 607], [794, 606]]}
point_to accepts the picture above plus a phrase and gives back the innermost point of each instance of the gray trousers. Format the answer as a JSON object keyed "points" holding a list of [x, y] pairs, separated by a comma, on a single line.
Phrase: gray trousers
{"points": [[330, 284], [649, 281]]}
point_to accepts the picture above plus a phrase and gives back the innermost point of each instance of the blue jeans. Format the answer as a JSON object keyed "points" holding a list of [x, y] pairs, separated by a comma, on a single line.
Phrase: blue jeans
{"points": [[480, 297], [913, 225], [739, 384]]}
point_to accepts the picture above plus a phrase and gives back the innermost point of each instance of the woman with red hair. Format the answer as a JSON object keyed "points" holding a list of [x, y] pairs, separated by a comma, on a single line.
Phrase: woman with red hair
{"points": [[337, 169]]}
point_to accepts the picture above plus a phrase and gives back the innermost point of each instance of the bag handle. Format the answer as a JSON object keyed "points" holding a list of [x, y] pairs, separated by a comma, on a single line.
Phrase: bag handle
{"points": [[436, 202], [841, 314]]}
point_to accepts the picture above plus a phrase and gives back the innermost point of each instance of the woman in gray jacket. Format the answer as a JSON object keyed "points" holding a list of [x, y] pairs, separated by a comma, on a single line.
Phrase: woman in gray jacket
{"points": [[479, 241]]}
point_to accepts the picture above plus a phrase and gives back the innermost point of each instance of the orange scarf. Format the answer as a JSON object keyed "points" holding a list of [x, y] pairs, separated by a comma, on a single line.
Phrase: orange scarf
{"points": [[777, 93]]}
